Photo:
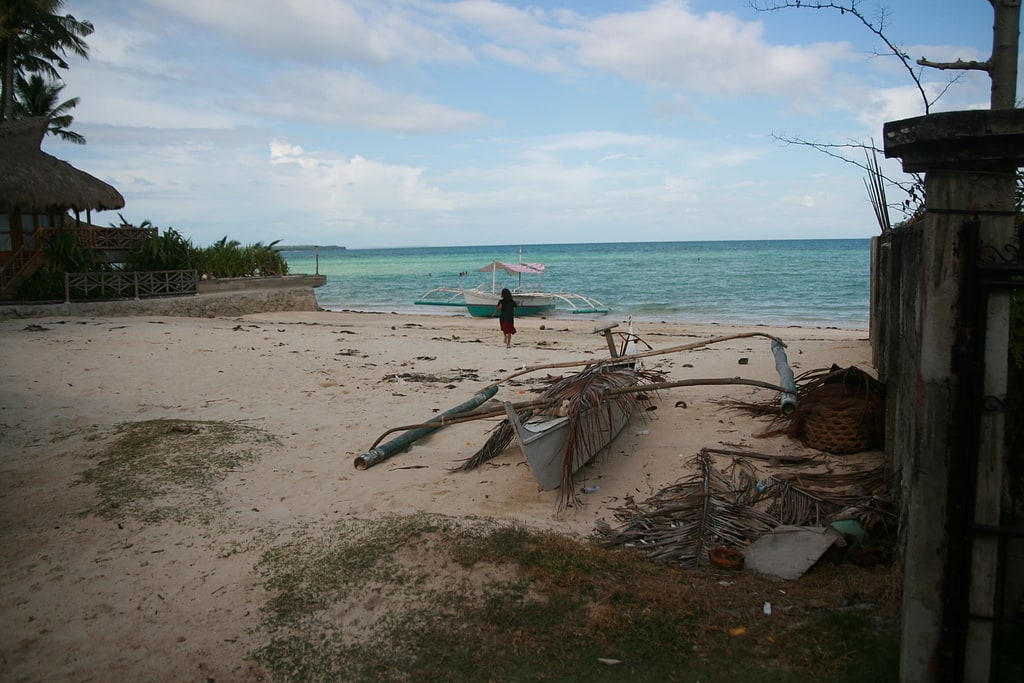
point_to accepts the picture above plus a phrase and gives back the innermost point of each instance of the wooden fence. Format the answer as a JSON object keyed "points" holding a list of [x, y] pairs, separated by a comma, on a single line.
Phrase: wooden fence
{"points": [[129, 285]]}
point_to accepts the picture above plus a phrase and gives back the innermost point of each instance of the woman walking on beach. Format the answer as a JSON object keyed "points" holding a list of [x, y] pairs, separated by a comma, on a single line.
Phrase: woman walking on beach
{"points": [[506, 315]]}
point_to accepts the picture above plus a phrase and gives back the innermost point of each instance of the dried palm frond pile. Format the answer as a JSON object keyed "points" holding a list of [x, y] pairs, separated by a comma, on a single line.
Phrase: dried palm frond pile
{"points": [[840, 411], [680, 523], [733, 505]]}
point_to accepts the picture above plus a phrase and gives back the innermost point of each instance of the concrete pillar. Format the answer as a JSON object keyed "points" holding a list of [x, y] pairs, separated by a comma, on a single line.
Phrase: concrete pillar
{"points": [[970, 160]]}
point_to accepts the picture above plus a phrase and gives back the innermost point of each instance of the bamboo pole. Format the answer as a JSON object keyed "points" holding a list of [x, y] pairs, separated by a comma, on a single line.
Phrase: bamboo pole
{"points": [[450, 417], [643, 354]]}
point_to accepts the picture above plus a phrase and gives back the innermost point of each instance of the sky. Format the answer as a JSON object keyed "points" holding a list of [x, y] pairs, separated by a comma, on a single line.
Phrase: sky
{"points": [[380, 123]]}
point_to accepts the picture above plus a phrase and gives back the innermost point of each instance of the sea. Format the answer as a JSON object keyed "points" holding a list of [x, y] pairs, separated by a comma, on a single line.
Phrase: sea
{"points": [[807, 283]]}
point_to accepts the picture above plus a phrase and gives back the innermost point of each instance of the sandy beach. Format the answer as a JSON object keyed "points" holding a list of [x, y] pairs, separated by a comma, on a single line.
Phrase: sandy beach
{"points": [[93, 596]]}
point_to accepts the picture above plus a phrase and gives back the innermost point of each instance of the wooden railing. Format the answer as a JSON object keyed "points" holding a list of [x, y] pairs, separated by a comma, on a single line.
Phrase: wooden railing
{"points": [[111, 239], [129, 285], [20, 265], [115, 242]]}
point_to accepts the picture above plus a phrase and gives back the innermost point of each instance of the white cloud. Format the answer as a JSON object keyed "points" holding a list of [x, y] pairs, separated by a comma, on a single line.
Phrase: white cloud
{"points": [[338, 99], [318, 31], [670, 46], [367, 122], [350, 189]]}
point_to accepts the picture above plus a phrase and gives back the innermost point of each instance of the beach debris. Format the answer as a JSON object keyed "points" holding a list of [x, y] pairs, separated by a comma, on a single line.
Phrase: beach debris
{"points": [[680, 523], [36, 328], [731, 504], [726, 558], [458, 375], [789, 551], [629, 395]]}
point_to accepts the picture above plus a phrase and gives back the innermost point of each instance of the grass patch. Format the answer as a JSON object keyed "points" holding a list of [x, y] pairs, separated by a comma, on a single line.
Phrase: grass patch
{"points": [[169, 470], [424, 598]]}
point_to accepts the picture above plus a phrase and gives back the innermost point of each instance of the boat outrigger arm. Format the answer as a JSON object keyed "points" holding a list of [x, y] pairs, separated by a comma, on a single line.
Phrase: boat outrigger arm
{"points": [[480, 301], [452, 296], [578, 303], [400, 443]]}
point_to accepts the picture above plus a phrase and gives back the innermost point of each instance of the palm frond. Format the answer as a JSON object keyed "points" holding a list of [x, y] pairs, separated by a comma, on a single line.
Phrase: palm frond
{"points": [[583, 398], [731, 506], [497, 442], [681, 522], [812, 498]]}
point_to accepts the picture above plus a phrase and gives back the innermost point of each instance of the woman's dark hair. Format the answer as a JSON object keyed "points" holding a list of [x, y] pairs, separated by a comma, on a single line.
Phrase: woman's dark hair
{"points": [[505, 294]]}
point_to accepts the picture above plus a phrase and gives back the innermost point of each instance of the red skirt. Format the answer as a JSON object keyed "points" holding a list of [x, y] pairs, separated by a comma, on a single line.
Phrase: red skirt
{"points": [[508, 327]]}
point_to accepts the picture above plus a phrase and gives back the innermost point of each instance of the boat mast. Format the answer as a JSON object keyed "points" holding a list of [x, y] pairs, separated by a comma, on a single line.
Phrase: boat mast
{"points": [[520, 272]]}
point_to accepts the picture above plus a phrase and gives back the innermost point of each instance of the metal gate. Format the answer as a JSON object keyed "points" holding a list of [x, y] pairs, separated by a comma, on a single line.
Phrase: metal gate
{"points": [[984, 270]]}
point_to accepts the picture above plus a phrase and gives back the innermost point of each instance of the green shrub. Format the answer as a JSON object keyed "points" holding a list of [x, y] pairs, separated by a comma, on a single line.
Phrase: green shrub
{"points": [[64, 254], [166, 251], [163, 250], [230, 259], [224, 258]]}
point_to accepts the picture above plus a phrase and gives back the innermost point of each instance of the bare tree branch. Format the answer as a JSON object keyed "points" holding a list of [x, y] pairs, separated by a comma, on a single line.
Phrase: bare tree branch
{"points": [[958, 65], [852, 7], [913, 189]]}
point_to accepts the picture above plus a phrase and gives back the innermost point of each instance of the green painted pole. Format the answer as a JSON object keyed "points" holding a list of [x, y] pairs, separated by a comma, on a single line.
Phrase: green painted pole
{"points": [[400, 443], [787, 403]]}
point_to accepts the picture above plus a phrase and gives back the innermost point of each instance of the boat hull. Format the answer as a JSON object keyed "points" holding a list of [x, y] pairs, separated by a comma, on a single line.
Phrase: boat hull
{"points": [[485, 304], [543, 441]]}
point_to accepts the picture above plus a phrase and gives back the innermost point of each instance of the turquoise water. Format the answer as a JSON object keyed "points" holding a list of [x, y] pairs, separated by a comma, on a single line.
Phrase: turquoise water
{"points": [[772, 282]]}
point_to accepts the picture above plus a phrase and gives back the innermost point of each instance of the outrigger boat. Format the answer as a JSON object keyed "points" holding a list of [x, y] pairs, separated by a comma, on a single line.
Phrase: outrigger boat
{"points": [[483, 303], [581, 419], [579, 416]]}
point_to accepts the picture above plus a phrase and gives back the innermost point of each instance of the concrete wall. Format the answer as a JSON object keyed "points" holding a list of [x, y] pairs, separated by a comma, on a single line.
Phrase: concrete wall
{"points": [[233, 297], [224, 285]]}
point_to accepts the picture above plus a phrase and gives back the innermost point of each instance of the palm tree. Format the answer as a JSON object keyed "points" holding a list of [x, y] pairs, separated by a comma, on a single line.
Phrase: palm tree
{"points": [[36, 97], [35, 39]]}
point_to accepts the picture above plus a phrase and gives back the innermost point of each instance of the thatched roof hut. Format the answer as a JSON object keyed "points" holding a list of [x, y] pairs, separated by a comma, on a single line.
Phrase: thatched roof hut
{"points": [[33, 182]]}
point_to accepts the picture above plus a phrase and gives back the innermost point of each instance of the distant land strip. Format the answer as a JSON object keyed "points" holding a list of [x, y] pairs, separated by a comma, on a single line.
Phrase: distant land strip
{"points": [[298, 247]]}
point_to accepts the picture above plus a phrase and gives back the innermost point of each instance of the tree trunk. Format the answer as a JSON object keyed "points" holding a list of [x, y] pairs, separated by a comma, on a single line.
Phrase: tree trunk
{"points": [[1003, 65], [7, 102]]}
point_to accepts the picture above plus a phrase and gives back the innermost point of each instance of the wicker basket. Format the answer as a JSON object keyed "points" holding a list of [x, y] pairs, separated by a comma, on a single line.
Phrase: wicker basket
{"points": [[838, 430]]}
